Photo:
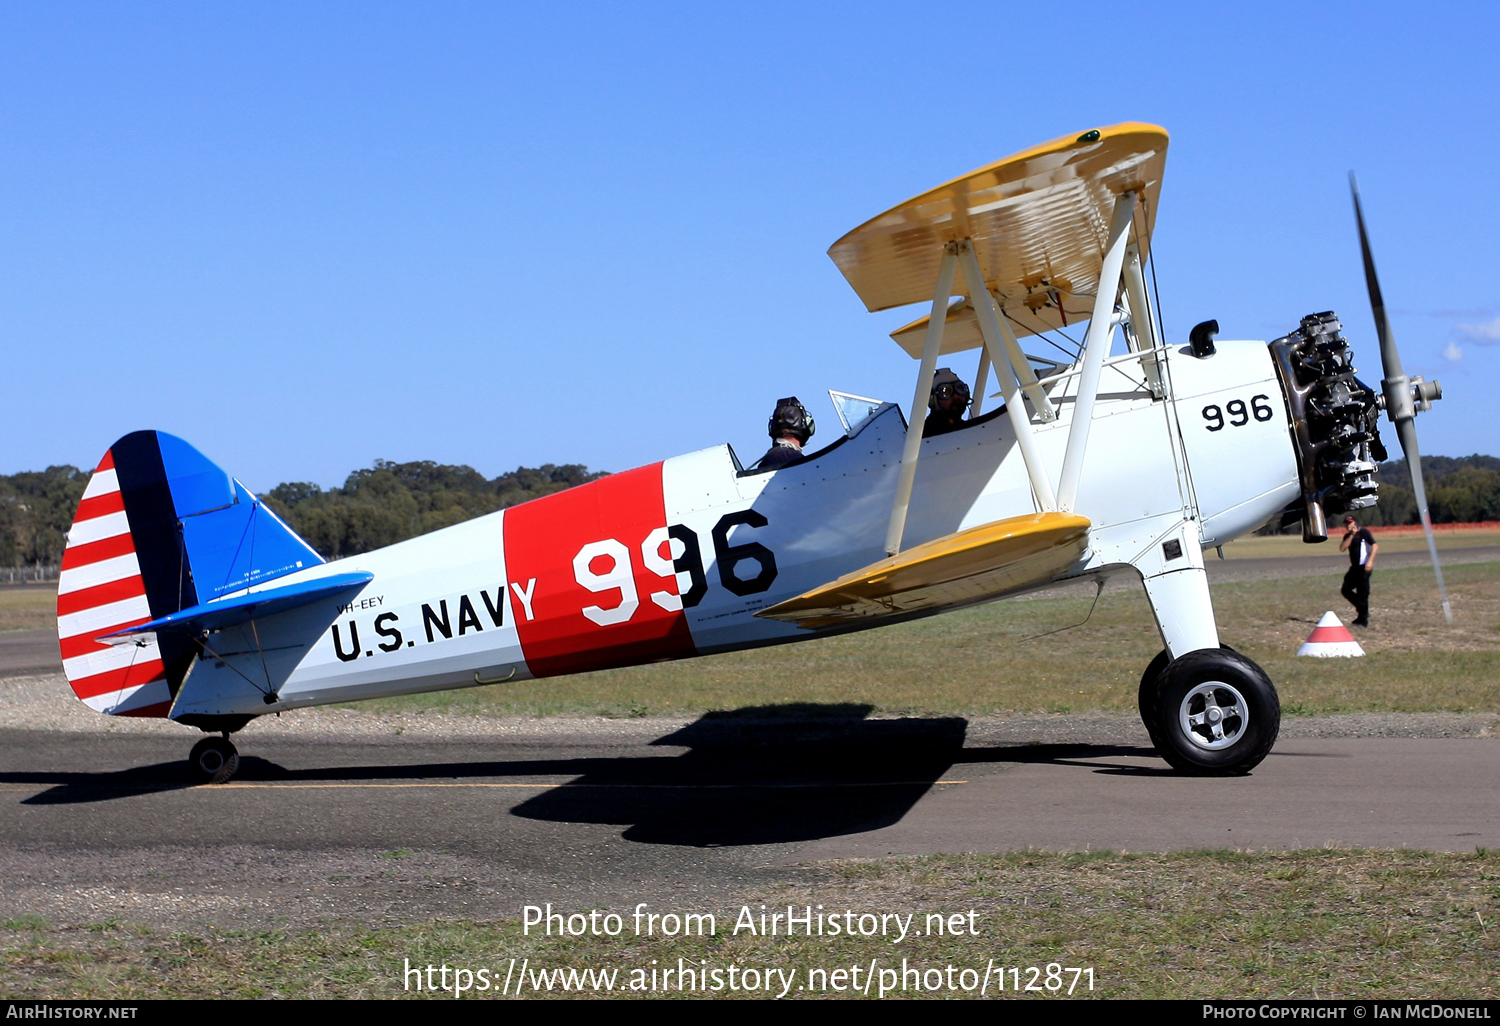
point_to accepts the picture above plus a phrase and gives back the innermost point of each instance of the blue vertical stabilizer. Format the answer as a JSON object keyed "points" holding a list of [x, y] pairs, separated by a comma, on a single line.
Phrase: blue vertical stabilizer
{"points": [[230, 538]]}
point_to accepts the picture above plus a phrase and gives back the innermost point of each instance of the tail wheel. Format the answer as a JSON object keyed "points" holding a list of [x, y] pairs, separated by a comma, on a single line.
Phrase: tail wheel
{"points": [[1217, 713], [213, 760]]}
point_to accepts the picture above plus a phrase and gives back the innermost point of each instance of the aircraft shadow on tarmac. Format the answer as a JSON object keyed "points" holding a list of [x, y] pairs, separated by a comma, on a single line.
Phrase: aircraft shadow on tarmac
{"points": [[756, 775], [771, 774], [765, 774]]}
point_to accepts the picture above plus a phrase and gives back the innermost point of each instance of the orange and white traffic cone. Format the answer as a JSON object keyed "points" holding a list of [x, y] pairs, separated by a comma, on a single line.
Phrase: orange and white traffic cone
{"points": [[1330, 639]]}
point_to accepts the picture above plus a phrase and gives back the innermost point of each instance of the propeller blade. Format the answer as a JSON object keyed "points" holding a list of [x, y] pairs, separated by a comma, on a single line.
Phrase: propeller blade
{"points": [[1399, 406], [1390, 359], [1406, 430]]}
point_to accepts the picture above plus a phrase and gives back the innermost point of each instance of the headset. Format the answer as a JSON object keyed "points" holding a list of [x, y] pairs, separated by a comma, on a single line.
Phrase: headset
{"points": [[791, 418]]}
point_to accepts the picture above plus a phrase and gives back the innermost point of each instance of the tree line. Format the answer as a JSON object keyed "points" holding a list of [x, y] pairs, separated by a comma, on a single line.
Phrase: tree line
{"points": [[36, 510], [376, 506], [1460, 490], [390, 502]]}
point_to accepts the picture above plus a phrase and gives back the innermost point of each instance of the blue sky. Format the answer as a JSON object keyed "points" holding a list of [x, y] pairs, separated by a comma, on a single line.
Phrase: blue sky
{"points": [[306, 236]]}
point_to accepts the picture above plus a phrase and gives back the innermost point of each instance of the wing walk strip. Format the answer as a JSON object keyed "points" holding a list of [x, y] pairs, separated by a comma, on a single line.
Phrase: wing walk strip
{"points": [[100, 589]]}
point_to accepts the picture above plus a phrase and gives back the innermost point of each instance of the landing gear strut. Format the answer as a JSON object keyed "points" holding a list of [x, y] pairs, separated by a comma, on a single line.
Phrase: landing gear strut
{"points": [[1211, 712], [213, 760]]}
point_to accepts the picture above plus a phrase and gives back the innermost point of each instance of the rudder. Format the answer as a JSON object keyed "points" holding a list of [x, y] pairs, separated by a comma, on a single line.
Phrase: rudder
{"points": [[159, 528]]}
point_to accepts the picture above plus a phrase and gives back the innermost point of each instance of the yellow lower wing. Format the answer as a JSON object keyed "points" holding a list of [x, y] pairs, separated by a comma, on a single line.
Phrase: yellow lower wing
{"points": [[966, 566]]}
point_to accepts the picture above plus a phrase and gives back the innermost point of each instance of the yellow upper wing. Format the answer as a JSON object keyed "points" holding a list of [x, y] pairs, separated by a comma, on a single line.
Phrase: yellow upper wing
{"points": [[1037, 221]]}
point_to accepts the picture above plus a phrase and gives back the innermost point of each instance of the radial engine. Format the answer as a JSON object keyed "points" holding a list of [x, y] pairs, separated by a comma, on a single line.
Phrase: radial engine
{"points": [[1334, 422]]}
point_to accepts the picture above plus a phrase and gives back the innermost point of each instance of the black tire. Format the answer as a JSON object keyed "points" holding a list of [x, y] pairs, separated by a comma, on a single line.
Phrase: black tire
{"points": [[213, 760], [1145, 699], [1146, 696], [1217, 713]]}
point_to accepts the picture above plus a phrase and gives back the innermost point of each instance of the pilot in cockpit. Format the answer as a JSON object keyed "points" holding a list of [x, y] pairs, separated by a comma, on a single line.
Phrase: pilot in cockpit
{"points": [[946, 404], [790, 427]]}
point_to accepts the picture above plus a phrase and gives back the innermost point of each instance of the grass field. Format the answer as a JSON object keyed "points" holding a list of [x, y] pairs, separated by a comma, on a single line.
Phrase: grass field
{"points": [[1000, 658], [28, 605], [1027, 656], [1312, 924], [1254, 547], [1303, 924]]}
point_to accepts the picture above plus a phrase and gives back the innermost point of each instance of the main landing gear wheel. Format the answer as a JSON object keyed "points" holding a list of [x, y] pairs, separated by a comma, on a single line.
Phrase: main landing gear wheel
{"points": [[213, 760], [1215, 714], [1145, 700]]}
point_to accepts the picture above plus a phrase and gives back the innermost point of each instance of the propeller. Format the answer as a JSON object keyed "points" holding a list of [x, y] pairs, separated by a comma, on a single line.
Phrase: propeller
{"points": [[1404, 397]]}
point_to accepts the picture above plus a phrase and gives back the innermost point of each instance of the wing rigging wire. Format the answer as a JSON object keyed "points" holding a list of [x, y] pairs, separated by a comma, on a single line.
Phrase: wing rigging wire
{"points": [[1161, 318], [203, 643], [1044, 333], [182, 562], [138, 646], [1099, 590], [270, 688]]}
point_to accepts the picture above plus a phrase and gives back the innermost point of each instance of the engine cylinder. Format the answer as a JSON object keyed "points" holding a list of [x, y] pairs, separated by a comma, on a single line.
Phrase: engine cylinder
{"points": [[1334, 422]]}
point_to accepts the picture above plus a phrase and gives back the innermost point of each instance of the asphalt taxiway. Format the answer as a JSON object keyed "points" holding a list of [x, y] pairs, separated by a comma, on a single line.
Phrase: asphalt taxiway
{"points": [[347, 816], [402, 827]]}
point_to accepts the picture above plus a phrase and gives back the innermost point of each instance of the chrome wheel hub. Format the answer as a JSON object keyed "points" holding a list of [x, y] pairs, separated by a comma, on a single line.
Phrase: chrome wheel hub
{"points": [[1214, 715]]}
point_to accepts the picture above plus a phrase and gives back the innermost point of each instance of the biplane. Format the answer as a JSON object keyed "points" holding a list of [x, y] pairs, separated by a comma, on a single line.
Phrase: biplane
{"points": [[182, 595]]}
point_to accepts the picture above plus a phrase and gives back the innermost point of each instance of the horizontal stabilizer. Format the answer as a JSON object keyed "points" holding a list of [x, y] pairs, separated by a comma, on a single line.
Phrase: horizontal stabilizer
{"points": [[243, 608], [967, 566]]}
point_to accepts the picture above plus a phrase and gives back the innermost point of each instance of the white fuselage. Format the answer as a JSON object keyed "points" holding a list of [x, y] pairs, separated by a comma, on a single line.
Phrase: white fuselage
{"points": [[675, 559]]}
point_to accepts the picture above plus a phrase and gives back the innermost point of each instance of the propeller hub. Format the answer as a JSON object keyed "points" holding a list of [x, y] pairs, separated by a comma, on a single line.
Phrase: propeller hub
{"points": [[1406, 397], [1426, 392], [1398, 399]]}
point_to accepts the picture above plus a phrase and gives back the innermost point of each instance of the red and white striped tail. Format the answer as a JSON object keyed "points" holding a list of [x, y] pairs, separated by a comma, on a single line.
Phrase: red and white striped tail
{"points": [[1330, 639], [100, 590]]}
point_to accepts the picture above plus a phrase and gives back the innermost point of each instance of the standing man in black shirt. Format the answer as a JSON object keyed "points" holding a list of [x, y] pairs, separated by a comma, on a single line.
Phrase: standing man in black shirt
{"points": [[1360, 544]]}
